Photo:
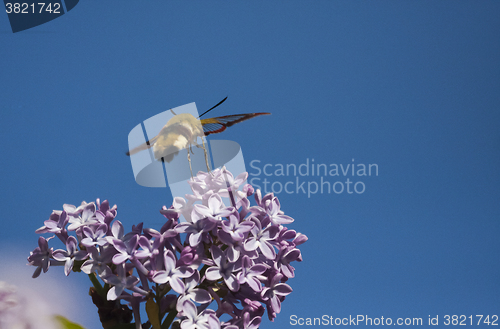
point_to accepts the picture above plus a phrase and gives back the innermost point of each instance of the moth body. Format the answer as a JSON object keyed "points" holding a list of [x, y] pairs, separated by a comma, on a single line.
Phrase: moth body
{"points": [[179, 133], [183, 130]]}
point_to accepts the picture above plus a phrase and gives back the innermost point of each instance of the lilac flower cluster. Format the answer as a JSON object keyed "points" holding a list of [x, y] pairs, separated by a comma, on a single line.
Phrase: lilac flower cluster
{"points": [[234, 259], [20, 310]]}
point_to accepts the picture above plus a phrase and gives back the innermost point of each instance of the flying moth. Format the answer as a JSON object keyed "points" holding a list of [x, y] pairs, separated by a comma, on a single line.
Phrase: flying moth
{"points": [[182, 131]]}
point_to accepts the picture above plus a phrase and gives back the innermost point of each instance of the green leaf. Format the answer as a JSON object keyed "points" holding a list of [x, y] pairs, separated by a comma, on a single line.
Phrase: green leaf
{"points": [[66, 324], [153, 312], [124, 326]]}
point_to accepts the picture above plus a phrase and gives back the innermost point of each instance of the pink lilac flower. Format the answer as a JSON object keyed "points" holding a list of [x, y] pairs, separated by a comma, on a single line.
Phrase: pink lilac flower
{"points": [[222, 269], [95, 235], [193, 293], [120, 282], [69, 255], [41, 256], [86, 217], [172, 274], [98, 261], [251, 274], [56, 224], [262, 238], [125, 249], [207, 260], [18, 310], [215, 209], [275, 289], [194, 320]]}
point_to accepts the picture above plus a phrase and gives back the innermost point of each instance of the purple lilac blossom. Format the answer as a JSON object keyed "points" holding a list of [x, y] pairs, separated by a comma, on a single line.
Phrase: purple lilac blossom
{"points": [[69, 255], [19, 310], [207, 260]]}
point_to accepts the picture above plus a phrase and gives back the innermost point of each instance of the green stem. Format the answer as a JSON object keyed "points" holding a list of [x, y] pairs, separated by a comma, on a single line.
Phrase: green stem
{"points": [[203, 270], [169, 319], [97, 285]]}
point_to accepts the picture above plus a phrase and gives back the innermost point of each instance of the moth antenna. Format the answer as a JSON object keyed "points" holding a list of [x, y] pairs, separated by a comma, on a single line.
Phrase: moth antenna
{"points": [[222, 101], [173, 112]]}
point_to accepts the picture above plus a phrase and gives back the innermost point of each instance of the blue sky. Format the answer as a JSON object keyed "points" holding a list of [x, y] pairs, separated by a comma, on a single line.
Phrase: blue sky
{"points": [[410, 86]]}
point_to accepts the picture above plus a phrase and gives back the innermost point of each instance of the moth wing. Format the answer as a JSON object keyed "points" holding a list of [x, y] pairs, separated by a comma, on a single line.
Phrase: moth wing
{"points": [[142, 147], [219, 124]]}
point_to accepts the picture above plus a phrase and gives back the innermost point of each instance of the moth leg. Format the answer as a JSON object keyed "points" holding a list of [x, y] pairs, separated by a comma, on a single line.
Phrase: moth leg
{"points": [[206, 155], [189, 160], [205, 152]]}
